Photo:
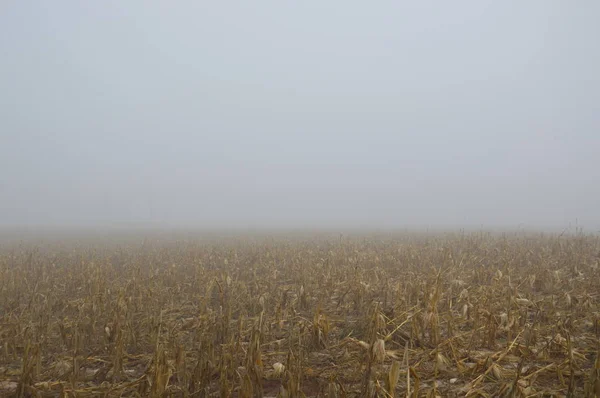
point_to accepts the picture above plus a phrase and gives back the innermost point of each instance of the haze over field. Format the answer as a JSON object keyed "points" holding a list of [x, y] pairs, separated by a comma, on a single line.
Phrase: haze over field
{"points": [[300, 114]]}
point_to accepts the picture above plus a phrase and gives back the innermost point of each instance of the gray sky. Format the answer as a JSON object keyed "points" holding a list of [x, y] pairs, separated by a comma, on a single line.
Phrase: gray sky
{"points": [[300, 114]]}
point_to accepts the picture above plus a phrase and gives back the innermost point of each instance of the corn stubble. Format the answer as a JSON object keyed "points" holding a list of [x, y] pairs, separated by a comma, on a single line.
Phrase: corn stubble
{"points": [[464, 315]]}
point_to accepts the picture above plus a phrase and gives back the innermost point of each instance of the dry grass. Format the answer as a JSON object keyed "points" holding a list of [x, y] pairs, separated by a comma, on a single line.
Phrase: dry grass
{"points": [[474, 315]]}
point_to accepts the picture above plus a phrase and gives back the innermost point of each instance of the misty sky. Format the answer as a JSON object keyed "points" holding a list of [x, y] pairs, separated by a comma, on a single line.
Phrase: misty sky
{"points": [[300, 113]]}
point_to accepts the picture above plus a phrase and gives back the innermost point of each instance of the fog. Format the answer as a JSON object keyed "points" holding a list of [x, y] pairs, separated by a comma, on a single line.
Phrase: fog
{"points": [[300, 114]]}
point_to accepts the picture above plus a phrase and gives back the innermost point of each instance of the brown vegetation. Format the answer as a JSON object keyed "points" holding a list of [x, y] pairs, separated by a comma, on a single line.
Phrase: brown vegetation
{"points": [[475, 315]]}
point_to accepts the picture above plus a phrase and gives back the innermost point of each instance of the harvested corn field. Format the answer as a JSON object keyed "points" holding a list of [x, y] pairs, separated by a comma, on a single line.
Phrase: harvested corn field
{"points": [[385, 315]]}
